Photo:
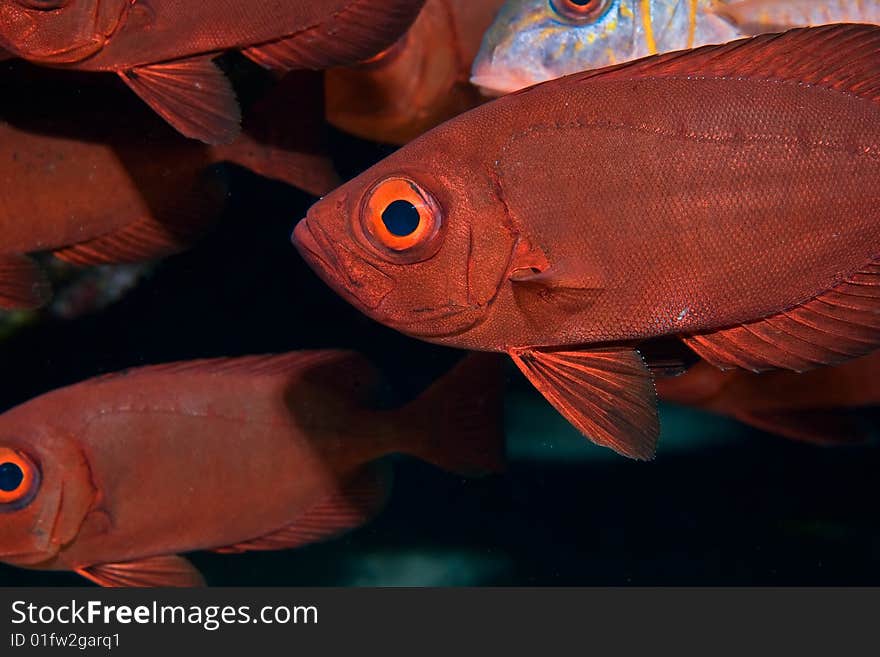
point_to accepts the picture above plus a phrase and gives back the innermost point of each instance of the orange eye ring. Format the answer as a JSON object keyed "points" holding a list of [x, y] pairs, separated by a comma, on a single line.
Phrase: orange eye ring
{"points": [[19, 478], [400, 217], [581, 11]]}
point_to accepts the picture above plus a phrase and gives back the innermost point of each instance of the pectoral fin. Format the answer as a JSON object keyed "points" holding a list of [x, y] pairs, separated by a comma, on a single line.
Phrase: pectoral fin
{"points": [[563, 288], [193, 95], [608, 394], [164, 571], [357, 502]]}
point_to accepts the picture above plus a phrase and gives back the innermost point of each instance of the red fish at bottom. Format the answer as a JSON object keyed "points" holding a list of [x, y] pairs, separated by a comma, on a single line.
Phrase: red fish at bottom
{"points": [[115, 476]]}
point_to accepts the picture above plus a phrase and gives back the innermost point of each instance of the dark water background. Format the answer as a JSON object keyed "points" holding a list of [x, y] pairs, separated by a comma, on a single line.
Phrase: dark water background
{"points": [[721, 504]]}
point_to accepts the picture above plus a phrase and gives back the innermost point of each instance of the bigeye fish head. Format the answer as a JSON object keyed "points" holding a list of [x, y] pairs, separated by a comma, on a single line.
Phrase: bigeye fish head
{"points": [[59, 31], [533, 41], [419, 242], [46, 489]]}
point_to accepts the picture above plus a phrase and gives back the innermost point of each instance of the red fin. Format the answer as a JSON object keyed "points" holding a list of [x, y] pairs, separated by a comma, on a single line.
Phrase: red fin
{"points": [[834, 327], [457, 424], [820, 427], [608, 395], [359, 501], [149, 238], [540, 292], [342, 369], [362, 29], [285, 136], [23, 285], [165, 571], [842, 57], [193, 95]]}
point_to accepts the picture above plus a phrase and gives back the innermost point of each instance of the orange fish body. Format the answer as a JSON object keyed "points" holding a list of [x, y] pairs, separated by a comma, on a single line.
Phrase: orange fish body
{"points": [[104, 181], [115, 476], [705, 194], [816, 406], [163, 48], [420, 81]]}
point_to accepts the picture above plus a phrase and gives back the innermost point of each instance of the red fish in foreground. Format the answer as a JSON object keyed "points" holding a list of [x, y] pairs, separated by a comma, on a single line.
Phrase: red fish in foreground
{"points": [[164, 49], [823, 406], [417, 83], [728, 195], [115, 476], [96, 178]]}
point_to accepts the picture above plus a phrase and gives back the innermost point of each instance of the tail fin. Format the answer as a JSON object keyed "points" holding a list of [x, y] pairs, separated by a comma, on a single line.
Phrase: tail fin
{"points": [[457, 424], [284, 136]]}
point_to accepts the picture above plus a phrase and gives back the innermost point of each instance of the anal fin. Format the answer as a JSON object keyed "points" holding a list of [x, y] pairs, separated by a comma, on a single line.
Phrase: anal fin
{"points": [[607, 394], [838, 325], [193, 95], [357, 502], [163, 571], [23, 285]]}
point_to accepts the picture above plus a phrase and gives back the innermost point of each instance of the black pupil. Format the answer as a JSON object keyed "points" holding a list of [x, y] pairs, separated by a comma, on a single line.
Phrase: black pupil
{"points": [[401, 218], [581, 3], [11, 477]]}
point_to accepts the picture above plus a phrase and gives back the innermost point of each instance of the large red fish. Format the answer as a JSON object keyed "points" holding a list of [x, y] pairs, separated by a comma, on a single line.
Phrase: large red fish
{"points": [[822, 406], [417, 83], [163, 49], [93, 176], [728, 195], [115, 476]]}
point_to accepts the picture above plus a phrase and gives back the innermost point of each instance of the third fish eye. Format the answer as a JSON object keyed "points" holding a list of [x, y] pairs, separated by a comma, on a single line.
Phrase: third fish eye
{"points": [[401, 218], [11, 476]]}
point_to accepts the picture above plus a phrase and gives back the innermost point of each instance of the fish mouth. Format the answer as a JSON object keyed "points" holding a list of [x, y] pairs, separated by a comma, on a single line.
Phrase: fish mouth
{"points": [[493, 82], [349, 275]]}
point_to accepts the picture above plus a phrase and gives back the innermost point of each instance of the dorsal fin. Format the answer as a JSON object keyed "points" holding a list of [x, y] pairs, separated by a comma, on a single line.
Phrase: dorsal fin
{"points": [[344, 371], [844, 57]]}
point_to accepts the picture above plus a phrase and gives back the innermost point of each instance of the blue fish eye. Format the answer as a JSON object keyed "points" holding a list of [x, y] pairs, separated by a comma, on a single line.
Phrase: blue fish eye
{"points": [[11, 476], [401, 218]]}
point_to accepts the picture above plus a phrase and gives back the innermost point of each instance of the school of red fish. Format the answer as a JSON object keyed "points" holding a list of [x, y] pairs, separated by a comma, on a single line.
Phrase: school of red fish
{"points": [[723, 198]]}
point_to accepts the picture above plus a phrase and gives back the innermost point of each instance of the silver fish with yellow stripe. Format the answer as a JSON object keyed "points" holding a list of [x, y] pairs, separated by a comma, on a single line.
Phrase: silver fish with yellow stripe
{"points": [[536, 40]]}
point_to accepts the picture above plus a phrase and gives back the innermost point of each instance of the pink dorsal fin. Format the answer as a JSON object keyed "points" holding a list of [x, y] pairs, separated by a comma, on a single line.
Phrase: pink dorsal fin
{"points": [[162, 571], [357, 502], [348, 373], [838, 325], [607, 394], [841, 57], [193, 95]]}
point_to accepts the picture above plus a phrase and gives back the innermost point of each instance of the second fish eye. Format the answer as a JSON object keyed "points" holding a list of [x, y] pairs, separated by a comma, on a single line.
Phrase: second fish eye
{"points": [[19, 479], [580, 11]]}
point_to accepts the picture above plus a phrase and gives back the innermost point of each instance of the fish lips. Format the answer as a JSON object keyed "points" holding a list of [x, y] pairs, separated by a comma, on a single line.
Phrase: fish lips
{"points": [[347, 273], [366, 287]]}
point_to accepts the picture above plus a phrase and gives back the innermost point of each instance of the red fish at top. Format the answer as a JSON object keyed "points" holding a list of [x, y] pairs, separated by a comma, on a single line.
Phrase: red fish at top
{"points": [[163, 49], [728, 195], [419, 82], [116, 476]]}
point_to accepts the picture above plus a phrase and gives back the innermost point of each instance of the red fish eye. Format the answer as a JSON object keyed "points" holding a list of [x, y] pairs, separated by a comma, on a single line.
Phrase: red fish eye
{"points": [[580, 11], [19, 477], [399, 215]]}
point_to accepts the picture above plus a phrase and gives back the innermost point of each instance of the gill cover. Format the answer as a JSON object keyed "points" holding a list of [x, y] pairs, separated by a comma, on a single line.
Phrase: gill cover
{"points": [[58, 32]]}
